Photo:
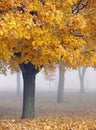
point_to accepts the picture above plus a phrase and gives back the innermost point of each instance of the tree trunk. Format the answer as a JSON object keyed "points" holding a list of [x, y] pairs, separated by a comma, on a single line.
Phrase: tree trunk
{"points": [[60, 95], [82, 85], [29, 72], [18, 84], [81, 77]]}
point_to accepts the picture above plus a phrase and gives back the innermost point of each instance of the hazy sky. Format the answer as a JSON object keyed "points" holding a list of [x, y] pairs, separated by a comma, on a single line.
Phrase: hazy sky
{"points": [[71, 81]]}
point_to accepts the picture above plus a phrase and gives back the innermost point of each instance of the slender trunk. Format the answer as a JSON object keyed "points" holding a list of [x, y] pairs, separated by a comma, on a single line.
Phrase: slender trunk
{"points": [[18, 84], [60, 96], [82, 85], [29, 72], [81, 77]]}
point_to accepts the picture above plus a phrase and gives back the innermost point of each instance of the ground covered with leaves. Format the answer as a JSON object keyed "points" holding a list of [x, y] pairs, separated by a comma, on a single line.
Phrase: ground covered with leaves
{"points": [[78, 112]]}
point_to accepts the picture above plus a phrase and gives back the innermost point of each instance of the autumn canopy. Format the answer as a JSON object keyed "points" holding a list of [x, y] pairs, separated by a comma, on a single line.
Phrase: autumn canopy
{"points": [[43, 32], [37, 33]]}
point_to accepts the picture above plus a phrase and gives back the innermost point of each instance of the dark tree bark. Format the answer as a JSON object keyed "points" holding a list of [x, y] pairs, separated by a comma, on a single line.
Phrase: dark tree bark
{"points": [[60, 94], [18, 84], [81, 77], [29, 72]]}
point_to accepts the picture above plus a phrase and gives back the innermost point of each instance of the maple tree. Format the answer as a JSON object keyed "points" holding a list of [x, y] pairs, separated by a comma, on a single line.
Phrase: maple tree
{"points": [[50, 77], [50, 74], [35, 33]]}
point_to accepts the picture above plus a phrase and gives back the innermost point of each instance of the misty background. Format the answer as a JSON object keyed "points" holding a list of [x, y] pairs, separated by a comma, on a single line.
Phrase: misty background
{"points": [[72, 83]]}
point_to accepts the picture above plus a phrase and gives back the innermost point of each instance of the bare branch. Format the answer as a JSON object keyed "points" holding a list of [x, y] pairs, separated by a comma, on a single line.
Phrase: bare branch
{"points": [[79, 6]]}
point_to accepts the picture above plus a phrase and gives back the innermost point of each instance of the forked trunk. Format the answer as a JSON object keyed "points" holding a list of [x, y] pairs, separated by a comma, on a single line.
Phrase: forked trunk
{"points": [[81, 77]]}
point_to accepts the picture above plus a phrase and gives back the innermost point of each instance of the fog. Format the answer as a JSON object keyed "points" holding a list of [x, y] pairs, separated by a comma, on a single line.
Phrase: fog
{"points": [[72, 83]]}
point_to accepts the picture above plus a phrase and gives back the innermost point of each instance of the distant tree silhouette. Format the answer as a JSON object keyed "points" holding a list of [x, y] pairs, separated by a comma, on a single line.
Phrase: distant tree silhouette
{"points": [[81, 72], [60, 92], [18, 84]]}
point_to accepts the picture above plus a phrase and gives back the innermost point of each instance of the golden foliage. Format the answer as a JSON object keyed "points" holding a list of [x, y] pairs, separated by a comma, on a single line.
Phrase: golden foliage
{"points": [[50, 123], [45, 32]]}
